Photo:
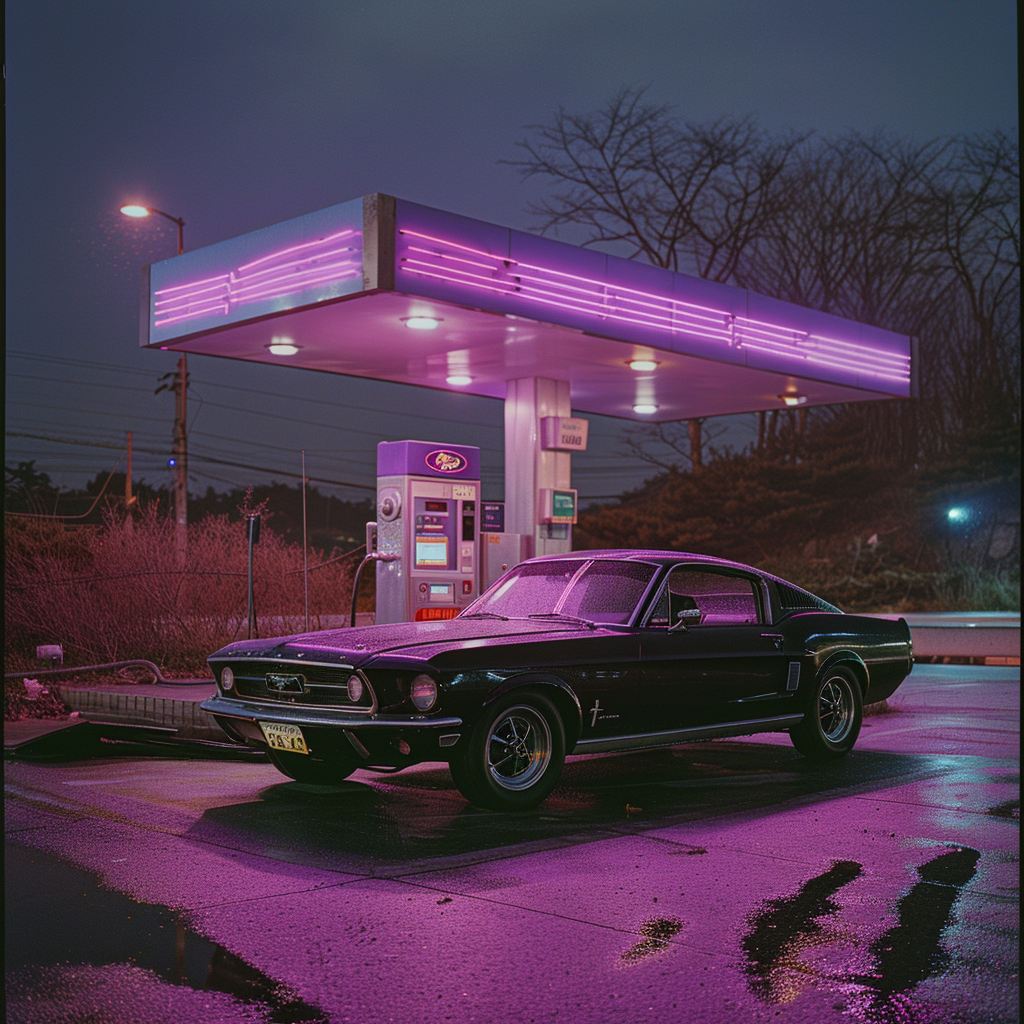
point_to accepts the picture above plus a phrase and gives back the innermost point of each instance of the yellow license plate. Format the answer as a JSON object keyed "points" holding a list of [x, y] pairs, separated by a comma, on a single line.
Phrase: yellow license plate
{"points": [[284, 737]]}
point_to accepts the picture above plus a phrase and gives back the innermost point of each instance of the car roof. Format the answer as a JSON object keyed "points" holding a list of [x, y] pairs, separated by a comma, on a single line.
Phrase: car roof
{"points": [[672, 557], [648, 555]]}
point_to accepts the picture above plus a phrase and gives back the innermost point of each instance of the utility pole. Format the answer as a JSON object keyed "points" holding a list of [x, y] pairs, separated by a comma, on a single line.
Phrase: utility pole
{"points": [[179, 387], [181, 463], [128, 499]]}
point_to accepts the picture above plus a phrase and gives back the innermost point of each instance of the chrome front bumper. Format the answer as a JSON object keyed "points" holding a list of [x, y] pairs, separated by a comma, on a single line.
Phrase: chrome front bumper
{"points": [[427, 737]]}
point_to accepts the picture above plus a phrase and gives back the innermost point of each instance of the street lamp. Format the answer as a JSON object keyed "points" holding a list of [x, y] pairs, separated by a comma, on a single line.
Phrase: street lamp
{"points": [[180, 460], [131, 210]]}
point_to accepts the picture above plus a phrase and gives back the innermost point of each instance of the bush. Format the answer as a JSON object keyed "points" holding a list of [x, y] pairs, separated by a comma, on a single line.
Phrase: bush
{"points": [[116, 592]]}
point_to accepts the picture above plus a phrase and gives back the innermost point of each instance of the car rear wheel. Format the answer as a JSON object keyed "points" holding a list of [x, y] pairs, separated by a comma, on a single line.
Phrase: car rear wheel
{"points": [[302, 768], [832, 721], [514, 755]]}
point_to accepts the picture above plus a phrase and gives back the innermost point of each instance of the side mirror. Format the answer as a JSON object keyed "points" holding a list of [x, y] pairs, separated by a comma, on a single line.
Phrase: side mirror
{"points": [[684, 616]]}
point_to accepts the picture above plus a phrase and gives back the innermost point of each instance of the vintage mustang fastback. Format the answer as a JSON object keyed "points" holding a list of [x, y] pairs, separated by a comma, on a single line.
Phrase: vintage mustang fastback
{"points": [[569, 654]]}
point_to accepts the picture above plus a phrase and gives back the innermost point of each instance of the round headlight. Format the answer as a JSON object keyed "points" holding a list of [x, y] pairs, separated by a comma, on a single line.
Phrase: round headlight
{"points": [[355, 688], [227, 678], [423, 692]]}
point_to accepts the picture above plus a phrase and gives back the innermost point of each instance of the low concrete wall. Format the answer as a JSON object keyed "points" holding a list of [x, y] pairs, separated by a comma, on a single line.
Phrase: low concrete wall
{"points": [[964, 634]]}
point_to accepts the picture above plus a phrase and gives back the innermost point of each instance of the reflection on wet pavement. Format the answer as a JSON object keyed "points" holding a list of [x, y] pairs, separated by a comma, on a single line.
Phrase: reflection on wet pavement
{"points": [[69, 943], [912, 951], [902, 957], [786, 927], [656, 935], [418, 815]]}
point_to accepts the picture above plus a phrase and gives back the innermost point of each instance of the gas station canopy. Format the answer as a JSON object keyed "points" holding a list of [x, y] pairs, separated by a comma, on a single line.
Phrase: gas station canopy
{"points": [[387, 289]]}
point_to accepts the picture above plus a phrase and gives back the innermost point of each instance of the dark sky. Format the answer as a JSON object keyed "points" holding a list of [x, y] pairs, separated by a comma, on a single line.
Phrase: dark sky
{"points": [[235, 115]]}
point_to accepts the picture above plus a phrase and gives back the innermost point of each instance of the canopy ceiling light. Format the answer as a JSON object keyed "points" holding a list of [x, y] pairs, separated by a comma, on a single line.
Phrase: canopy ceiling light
{"points": [[283, 347], [793, 400], [642, 365], [422, 323]]}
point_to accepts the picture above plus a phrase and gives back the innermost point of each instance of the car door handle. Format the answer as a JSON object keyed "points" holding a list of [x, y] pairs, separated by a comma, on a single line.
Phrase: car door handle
{"points": [[776, 638]]}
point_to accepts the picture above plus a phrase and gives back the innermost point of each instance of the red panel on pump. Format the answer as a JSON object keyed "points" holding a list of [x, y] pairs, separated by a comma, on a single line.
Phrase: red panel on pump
{"points": [[433, 614]]}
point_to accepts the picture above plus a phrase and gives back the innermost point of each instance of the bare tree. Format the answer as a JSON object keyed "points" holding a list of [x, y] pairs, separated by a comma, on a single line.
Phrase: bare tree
{"points": [[979, 205], [919, 238], [684, 196]]}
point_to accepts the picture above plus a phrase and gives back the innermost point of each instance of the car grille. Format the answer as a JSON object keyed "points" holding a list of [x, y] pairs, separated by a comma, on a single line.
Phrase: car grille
{"points": [[322, 685]]}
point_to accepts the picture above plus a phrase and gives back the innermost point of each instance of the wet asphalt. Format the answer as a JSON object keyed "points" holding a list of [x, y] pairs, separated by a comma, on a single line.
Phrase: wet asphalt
{"points": [[724, 881]]}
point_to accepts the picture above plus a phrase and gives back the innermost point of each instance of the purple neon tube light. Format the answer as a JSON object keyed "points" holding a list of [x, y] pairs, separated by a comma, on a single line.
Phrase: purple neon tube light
{"points": [[320, 263], [547, 286]]}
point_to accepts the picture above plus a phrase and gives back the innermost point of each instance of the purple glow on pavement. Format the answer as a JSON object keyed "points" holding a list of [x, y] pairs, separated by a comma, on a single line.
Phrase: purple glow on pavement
{"points": [[605, 301]]}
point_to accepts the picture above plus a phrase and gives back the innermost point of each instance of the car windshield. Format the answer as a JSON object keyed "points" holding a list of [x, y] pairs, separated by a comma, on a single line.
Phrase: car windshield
{"points": [[594, 590]]}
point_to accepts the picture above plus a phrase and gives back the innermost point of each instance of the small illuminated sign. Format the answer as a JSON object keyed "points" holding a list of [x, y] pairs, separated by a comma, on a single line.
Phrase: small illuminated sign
{"points": [[558, 505], [443, 461], [564, 433], [493, 518]]}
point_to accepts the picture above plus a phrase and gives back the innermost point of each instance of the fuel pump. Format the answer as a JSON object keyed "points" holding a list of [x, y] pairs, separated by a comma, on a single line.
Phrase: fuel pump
{"points": [[428, 530]]}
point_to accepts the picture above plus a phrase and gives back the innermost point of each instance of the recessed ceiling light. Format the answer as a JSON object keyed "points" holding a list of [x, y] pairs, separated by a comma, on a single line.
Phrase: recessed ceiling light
{"points": [[422, 323], [283, 347], [793, 400], [642, 365], [645, 408], [459, 379]]}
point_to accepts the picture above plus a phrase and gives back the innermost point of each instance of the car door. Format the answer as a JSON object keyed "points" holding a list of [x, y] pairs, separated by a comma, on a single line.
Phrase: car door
{"points": [[721, 662]]}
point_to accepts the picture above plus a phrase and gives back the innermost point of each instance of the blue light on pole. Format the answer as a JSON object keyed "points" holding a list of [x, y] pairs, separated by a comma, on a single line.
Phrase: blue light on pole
{"points": [[958, 515]]}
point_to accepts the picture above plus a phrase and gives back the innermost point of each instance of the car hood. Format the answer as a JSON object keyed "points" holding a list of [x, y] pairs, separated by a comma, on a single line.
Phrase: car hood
{"points": [[418, 640]]}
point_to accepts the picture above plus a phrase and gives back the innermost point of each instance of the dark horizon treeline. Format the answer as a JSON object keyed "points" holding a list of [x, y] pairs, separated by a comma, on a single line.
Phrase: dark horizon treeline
{"points": [[331, 522]]}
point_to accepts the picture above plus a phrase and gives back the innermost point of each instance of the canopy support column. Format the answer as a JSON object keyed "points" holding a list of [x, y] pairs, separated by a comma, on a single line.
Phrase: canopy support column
{"points": [[528, 468]]}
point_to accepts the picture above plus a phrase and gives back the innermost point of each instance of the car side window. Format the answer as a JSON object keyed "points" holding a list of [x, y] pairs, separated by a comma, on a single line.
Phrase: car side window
{"points": [[698, 597]]}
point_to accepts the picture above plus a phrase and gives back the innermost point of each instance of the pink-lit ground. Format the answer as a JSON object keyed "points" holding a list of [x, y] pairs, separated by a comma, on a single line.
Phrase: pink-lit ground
{"points": [[635, 893]]}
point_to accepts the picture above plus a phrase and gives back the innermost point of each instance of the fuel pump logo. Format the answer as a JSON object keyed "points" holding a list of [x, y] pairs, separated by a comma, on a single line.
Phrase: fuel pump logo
{"points": [[446, 462]]}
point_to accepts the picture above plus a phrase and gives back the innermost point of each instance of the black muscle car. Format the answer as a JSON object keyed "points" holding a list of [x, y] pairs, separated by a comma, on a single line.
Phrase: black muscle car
{"points": [[577, 653]]}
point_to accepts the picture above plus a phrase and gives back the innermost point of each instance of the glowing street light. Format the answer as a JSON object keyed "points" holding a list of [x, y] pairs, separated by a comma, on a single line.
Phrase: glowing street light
{"points": [[133, 210], [958, 514]]}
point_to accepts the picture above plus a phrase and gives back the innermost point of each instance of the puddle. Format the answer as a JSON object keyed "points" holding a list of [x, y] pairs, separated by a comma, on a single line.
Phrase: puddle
{"points": [[789, 925], [657, 932], [1010, 810], [911, 951], [60, 922], [901, 957]]}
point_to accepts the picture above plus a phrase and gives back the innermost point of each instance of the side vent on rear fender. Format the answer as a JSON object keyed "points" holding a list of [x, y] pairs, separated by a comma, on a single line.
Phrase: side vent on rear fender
{"points": [[793, 680]]}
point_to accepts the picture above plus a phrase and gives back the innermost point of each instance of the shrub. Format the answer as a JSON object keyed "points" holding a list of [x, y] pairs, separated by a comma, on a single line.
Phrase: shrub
{"points": [[116, 592]]}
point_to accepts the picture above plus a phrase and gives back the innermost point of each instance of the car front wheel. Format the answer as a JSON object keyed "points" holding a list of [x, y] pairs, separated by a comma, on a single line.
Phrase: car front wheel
{"points": [[831, 723], [514, 755]]}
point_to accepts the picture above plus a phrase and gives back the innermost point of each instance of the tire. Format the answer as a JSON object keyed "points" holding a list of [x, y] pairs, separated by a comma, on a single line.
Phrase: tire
{"points": [[302, 768], [832, 721], [514, 755]]}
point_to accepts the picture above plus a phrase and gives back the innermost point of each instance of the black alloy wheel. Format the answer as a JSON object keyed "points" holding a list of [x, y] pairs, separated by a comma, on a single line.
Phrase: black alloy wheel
{"points": [[833, 717], [513, 758]]}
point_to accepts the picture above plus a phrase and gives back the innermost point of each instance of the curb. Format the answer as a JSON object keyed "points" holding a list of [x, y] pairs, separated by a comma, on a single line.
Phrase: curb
{"points": [[177, 716]]}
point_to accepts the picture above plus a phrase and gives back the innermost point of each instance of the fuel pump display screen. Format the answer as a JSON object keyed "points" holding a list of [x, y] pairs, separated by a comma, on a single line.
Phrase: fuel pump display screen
{"points": [[431, 552], [434, 534]]}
